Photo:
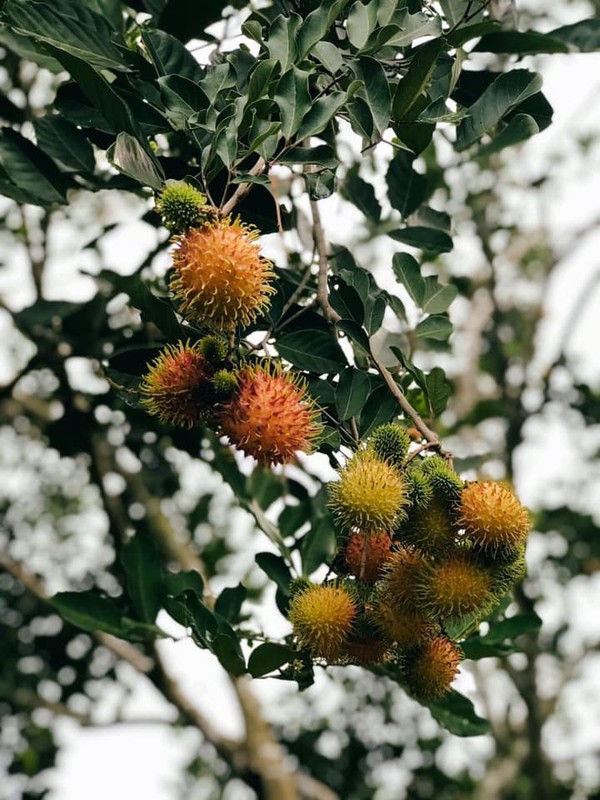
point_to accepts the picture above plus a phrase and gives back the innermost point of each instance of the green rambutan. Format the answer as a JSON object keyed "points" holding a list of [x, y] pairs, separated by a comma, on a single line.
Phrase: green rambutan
{"points": [[446, 484], [182, 207], [390, 443]]}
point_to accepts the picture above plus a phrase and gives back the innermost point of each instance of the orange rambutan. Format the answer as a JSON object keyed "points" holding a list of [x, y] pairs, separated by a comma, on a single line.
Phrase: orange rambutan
{"points": [[454, 586], [430, 667], [366, 651], [322, 618], [220, 278], [366, 554], [270, 416], [177, 386], [492, 516], [403, 627], [370, 494], [401, 578]]}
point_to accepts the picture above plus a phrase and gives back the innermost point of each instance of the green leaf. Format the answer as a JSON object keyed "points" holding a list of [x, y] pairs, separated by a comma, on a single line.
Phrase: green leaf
{"points": [[217, 80], [169, 55], [355, 332], [361, 23], [33, 174], [293, 100], [436, 297], [520, 42], [65, 144], [436, 327], [379, 409], [261, 77], [152, 308], [345, 299], [268, 657], [407, 189], [351, 392], [438, 391], [520, 128], [362, 195], [375, 90], [412, 26], [131, 158], [502, 96], [321, 184], [276, 569], [417, 79], [321, 112], [323, 155], [316, 25], [179, 582], [583, 36], [75, 30], [89, 611], [329, 55], [229, 602], [227, 649], [407, 272], [318, 545], [144, 576], [427, 239], [183, 100], [456, 713], [512, 627], [282, 38], [312, 350], [28, 49]]}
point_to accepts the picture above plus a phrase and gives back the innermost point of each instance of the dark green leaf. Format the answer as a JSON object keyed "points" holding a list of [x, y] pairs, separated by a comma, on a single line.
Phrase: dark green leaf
{"points": [[276, 569], [65, 144], [457, 714], [362, 194], [323, 155], [436, 327], [407, 189], [27, 49], [293, 100], [375, 90], [379, 409], [130, 157], [438, 392], [520, 128], [152, 308], [407, 272], [316, 25], [329, 55], [268, 657], [311, 350], [170, 57], [346, 300], [351, 392], [583, 36], [321, 184], [320, 114], [229, 602], [89, 611], [520, 42], [427, 239], [144, 576], [319, 544], [281, 41], [417, 79], [413, 26], [361, 23], [260, 79], [512, 627], [31, 171], [227, 650], [355, 332], [180, 582]]}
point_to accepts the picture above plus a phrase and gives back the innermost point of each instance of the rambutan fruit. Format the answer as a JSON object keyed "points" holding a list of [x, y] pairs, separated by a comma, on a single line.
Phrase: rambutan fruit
{"points": [[430, 529], [322, 618], [454, 586], [430, 667], [370, 494], [366, 554], [271, 415], [177, 386], [446, 484], [418, 489], [390, 443], [220, 279], [182, 206], [213, 348], [224, 383], [401, 578], [492, 516], [366, 651], [506, 571], [403, 627]]}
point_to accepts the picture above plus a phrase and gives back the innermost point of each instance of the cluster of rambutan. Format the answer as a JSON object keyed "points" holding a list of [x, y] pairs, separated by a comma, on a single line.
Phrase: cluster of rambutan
{"points": [[221, 282], [419, 549]]}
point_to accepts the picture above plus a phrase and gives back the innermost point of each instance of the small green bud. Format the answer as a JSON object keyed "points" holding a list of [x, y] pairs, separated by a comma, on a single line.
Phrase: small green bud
{"points": [[390, 443], [446, 484], [418, 489], [182, 206], [213, 348], [224, 383]]}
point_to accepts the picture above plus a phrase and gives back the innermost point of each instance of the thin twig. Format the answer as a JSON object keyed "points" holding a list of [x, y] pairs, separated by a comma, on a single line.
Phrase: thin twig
{"points": [[322, 248], [243, 188]]}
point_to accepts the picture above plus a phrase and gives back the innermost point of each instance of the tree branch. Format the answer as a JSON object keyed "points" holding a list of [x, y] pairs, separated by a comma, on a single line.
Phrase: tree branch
{"points": [[243, 188]]}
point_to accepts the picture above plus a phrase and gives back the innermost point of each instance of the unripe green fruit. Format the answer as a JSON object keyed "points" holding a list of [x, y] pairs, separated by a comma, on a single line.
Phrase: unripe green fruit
{"points": [[213, 348], [390, 443], [182, 207], [446, 484]]}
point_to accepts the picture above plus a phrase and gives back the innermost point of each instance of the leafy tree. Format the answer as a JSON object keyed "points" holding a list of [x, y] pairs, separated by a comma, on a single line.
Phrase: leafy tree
{"points": [[378, 106]]}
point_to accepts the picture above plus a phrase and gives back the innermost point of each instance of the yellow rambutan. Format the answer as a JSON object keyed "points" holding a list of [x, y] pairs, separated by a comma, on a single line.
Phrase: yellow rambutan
{"points": [[270, 416], [370, 494], [401, 578], [492, 516], [366, 554], [220, 278], [454, 586], [177, 386], [403, 627], [322, 618], [431, 666]]}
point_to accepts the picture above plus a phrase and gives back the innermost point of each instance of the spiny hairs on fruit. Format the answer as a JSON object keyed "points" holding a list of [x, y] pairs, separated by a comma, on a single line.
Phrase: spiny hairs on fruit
{"points": [[322, 618], [418, 489], [270, 416], [401, 578], [430, 529], [213, 348], [220, 279], [430, 667], [506, 573], [454, 586], [370, 494], [492, 516], [177, 386], [406, 628], [182, 207], [390, 443], [224, 383], [446, 484], [366, 554], [366, 651]]}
